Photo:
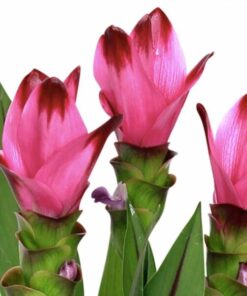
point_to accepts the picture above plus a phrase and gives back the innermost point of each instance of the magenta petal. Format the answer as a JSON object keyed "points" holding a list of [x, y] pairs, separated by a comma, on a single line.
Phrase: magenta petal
{"points": [[125, 85], [161, 128], [196, 72], [160, 52], [106, 104], [10, 141], [241, 189], [34, 196], [49, 121], [72, 83], [67, 171], [224, 189], [159, 132], [231, 141]]}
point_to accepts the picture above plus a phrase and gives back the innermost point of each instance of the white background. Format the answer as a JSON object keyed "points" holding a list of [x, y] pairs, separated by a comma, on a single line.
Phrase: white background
{"points": [[55, 36]]}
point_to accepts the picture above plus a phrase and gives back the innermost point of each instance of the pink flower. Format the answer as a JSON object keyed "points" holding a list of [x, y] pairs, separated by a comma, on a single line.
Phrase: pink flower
{"points": [[143, 76], [47, 152], [228, 154]]}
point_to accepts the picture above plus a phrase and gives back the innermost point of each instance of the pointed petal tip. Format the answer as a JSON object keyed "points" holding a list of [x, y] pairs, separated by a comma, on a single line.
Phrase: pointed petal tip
{"points": [[205, 59], [113, 123], [72, 83], [204, 116], [158, 12], [114, 30], [200, 109], [36, 72], [76, 72], [243, 103]]}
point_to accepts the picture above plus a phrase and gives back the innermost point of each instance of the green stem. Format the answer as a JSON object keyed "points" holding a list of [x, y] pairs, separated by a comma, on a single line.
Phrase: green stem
{"points": [[145, 173]]}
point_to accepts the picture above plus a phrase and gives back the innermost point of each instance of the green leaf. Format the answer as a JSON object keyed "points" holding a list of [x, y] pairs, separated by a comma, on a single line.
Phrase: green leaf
{"points": [[182, 272], [212, 292], [149, 264], [112, 280], [4, 106], [8, 226], [226, 285], [8, 245], [134, 244], [79, 288], [141, 267]]}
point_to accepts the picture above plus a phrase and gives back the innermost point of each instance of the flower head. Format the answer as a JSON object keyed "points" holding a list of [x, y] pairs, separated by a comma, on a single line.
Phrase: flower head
{"points": [[143, 76], [47, 152], [228, 154]]}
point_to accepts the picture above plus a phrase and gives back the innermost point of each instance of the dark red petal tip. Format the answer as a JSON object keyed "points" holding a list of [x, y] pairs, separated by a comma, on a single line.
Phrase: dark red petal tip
{"points": [[116, 47], [158, 12], [53, 96], [243, 105], [76, 72], [150, 28], [72, 82], [203, 114], [200, 108], [29, 82]]}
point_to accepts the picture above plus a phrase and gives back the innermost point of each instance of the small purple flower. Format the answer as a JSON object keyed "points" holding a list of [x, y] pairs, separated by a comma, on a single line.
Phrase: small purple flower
{"points": [[69, 270], [117, 201], [242, 275]]}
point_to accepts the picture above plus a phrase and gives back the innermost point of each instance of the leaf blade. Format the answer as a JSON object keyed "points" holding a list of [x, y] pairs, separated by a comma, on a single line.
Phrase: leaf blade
{"points": [[4, 106], [183, 267]]}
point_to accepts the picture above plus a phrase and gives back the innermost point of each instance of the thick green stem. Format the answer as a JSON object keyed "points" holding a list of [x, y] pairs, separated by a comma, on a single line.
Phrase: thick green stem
{"points": [[46, 245], [227, 249], [145, 173]]}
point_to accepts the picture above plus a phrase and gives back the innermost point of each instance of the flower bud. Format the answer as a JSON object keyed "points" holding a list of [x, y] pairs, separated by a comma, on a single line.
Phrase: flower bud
{"points": [[69, 270], [116, 201], [242, 275]]}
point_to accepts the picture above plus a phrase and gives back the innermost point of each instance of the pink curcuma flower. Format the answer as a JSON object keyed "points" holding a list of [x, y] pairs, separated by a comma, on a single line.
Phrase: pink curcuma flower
{"points": [[47, 152], [143, 76], [228, 154]]}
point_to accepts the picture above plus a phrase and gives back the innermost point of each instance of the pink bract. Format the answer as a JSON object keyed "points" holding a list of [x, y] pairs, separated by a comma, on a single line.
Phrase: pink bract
{"points": [[47, 153], [228, 154], [143, 76]]}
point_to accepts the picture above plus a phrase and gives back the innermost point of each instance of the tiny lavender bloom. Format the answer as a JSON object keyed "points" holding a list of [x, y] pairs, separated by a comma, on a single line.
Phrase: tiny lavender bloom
{"points": [[228, 154], [117, 201], [242, 275], [48, 154], [143, 76], [69, 270]]}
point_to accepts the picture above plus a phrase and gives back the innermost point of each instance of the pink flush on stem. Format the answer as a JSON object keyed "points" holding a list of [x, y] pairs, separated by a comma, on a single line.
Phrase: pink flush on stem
{"points": [[47, 153], [228, 154], [143, 76]]}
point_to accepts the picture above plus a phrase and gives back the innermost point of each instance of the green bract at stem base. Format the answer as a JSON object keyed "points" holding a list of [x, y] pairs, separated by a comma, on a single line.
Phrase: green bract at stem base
{"points": [[45, 244], [227, 249], [145, 173]]}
